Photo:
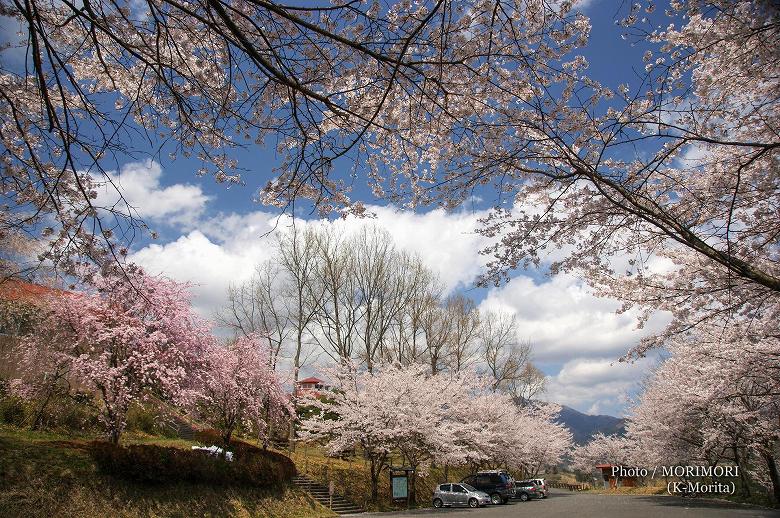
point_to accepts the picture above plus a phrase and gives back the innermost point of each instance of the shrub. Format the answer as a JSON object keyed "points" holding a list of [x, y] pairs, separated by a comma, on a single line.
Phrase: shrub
{"points": [[75, 416], [150, 419], [158, 464], [12, 411], [142, 418], [210, 436]]}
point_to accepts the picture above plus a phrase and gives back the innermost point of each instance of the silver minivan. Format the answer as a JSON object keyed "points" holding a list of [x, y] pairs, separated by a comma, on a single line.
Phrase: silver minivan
{"points": [[459, 494]]}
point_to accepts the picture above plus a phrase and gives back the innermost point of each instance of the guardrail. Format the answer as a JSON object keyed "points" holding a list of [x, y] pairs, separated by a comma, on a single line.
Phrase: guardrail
{"points": [[570, 487]]}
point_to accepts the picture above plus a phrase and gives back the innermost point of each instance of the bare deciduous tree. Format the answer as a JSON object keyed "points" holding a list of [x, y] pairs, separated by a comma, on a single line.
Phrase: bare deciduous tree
{"points": [[507, 359], [338, 311], [424, 293], [255, 308], [464, 321], [298, 257], [531, 383]]}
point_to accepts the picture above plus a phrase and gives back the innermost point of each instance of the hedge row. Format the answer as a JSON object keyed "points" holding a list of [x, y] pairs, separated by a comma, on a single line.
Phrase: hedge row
{"points": [[159, 465]]}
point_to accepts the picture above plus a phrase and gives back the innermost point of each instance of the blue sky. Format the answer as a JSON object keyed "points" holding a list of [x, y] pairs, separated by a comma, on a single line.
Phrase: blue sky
{"points": [[212, 235]]}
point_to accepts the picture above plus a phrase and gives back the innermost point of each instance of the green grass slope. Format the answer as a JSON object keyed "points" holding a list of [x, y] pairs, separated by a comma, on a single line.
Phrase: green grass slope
{"points": [[47, 475]]}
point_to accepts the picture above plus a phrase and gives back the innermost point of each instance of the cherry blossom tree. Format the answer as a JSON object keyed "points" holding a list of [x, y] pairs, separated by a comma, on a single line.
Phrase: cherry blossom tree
{"points": [[208, 76], [547, 440], [503, 434], [427, 102], [604, 449], [714, 400], [130, 336], [377, 412], [685, 227], [44, 371], [240, 388], [451, 418]]}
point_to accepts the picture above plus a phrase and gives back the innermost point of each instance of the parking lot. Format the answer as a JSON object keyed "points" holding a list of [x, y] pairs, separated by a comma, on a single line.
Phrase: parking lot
{"points": [[587, 505]]}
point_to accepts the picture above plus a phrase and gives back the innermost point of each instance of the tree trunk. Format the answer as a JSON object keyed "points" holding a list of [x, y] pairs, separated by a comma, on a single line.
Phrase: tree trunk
{"points": [[268, 426], [773, 476], [413, 487], [296, 369], [38, 422], [374, 482], [267, 439], [113, 420], [742, 477]]}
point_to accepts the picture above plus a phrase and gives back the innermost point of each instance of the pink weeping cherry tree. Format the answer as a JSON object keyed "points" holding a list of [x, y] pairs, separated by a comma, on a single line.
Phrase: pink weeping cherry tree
{"points": [[238, 387], [127, 337]]}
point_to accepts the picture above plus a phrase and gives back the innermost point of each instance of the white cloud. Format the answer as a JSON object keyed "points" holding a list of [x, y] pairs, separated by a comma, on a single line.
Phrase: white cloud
{"points": [[564, 320], [446, 241], [139, 184], [226, 248], [208, 265], [596, 386], [583, 373]]}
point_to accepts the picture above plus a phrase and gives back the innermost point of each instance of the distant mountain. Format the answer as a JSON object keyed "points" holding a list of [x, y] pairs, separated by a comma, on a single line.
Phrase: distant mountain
{"points": [[583, 426]]}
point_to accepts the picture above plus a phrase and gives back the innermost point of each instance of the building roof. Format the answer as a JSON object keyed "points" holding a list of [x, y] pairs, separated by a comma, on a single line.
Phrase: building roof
{"points": [[310, 379]]}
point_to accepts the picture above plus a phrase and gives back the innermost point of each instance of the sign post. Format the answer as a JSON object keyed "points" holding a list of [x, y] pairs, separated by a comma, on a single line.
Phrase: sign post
{"points": [[399, 484]]}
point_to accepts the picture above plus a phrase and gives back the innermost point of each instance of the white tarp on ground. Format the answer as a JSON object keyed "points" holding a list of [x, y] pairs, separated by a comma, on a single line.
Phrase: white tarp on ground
{"points": [[215, 451]]}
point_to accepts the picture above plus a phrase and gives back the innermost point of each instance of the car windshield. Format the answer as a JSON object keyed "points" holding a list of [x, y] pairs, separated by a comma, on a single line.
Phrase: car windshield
{"points": [[468, 487]]}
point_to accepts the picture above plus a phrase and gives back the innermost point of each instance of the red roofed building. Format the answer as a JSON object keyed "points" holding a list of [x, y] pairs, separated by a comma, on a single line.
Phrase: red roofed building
{"points": [[611, 481], [310, 386]]}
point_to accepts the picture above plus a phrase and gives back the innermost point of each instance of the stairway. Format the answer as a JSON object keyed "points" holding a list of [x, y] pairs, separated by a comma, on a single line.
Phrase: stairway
{"points": [[184, 429], [341, 505]]}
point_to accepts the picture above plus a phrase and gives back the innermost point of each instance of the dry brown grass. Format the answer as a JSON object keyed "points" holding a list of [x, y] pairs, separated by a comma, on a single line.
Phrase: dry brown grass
{"points": [[639, 490]]}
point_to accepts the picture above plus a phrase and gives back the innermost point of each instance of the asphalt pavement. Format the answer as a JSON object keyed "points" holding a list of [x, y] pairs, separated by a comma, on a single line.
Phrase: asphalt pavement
{"points": [[562, 503]]}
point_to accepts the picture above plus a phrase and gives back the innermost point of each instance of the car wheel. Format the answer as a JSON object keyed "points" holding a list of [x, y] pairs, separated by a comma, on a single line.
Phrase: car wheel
{"points": [[523, 497], [473, 502], [438, 503], [495, 499]]}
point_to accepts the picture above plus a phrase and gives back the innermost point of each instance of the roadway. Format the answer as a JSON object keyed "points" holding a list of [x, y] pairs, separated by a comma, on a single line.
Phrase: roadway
{"points": [[562, 503]]}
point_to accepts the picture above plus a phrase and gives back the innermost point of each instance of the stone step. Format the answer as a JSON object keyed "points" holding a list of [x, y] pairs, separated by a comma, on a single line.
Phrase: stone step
{"points": [[338, 504]]}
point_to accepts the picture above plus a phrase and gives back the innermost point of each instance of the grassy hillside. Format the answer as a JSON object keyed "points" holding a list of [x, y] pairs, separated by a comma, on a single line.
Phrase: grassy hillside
{"points": [[48, 475]]}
